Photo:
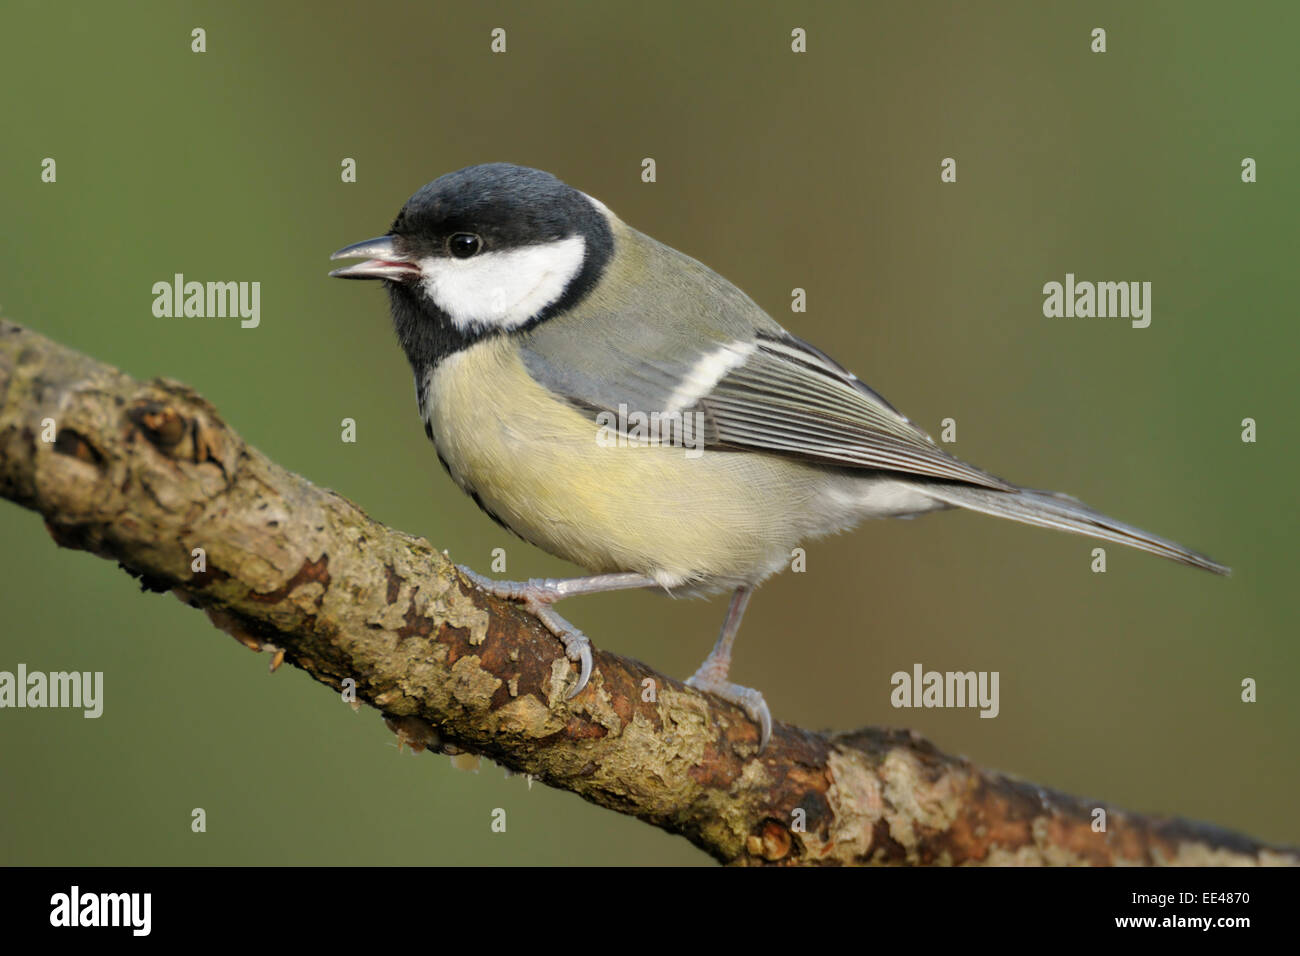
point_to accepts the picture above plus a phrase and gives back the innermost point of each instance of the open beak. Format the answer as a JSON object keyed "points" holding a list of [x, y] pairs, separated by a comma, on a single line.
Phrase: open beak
{"points": [[382, 261]]}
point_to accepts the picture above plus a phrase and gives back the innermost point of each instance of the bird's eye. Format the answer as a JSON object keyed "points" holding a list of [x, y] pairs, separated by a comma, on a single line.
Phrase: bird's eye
{"points": [[462, 245]]}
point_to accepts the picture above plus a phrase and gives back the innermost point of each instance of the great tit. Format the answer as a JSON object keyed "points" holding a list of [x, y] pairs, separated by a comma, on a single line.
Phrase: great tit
{"points": [[624, 407]]}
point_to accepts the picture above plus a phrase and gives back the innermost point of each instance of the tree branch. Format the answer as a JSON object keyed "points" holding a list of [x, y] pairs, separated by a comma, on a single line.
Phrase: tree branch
{"points": [[144, 473]]}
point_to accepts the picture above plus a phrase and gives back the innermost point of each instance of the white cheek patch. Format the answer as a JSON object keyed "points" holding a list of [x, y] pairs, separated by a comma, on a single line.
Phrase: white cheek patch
{"points": [[502, 289]]}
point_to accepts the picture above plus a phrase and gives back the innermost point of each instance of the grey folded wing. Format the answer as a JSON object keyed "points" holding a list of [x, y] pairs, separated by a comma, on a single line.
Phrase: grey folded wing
{"points": [[755, 389]]}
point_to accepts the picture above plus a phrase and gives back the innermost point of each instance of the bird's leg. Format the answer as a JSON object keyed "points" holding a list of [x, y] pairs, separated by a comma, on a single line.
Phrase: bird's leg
{"points": [[538, 594], [712, 675]]}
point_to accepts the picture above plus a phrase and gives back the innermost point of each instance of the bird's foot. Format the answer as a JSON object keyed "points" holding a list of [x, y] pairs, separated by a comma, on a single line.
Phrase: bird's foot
{"points": [[713, 680], [537, 595]]}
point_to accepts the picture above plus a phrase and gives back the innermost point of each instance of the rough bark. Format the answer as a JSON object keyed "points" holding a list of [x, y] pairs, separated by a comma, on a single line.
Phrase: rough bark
{"points": [[144, 473]]}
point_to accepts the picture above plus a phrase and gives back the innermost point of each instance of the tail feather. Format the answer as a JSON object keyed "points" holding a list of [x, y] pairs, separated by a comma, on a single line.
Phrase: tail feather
{"points": [[1048, 510]]}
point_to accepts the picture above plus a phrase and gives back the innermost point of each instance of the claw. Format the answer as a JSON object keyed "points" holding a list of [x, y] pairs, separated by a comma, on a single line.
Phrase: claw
{"points": [[746, 698], [764, 719], [576, 646], [537, 595], [481, 582], [584, 659]]}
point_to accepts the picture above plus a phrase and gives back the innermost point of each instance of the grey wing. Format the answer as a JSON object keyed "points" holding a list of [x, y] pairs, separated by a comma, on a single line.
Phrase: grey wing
{"points": [[791, 398], [764, 390]]}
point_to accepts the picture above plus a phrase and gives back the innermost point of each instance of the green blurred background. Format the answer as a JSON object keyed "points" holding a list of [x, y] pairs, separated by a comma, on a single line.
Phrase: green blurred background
{"points": [[779, 170]]}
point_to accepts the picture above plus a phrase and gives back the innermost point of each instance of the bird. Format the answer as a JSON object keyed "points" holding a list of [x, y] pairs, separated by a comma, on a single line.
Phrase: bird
{"points": [[622, 406]]}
